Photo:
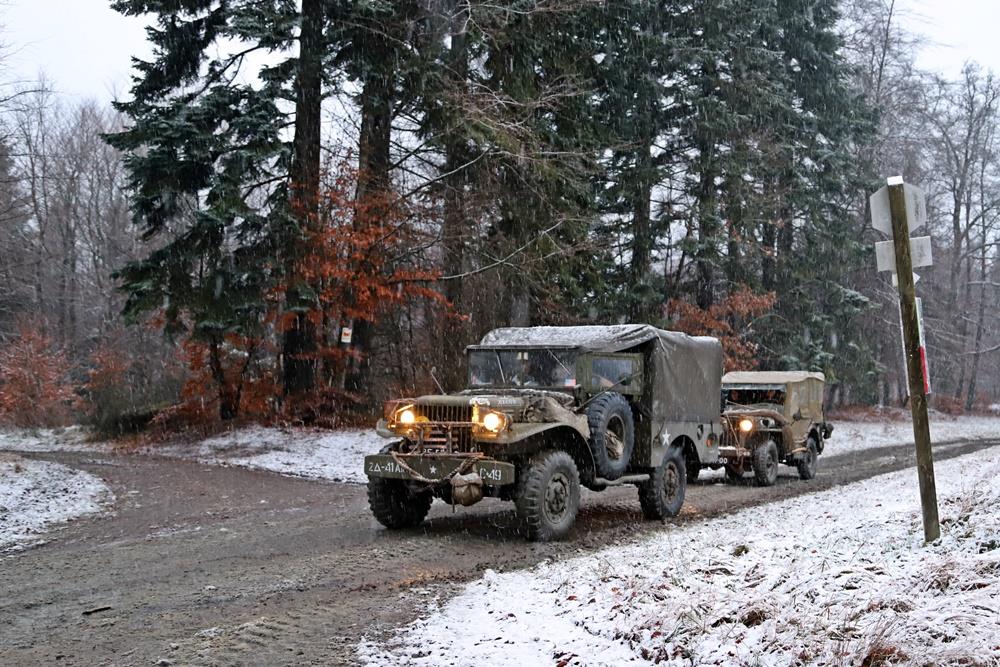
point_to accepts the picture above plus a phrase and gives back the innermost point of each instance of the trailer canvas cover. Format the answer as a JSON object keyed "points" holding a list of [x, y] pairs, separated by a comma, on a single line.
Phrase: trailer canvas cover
{"points": [[683, 373]]}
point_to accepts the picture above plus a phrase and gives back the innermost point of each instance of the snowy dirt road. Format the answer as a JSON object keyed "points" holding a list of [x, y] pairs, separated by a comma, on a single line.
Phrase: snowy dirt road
{"points": [[225, 566]]}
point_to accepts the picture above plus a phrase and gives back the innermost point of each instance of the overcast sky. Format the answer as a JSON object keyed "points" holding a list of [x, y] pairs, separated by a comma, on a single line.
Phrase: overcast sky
{"points": [[83, 47]]}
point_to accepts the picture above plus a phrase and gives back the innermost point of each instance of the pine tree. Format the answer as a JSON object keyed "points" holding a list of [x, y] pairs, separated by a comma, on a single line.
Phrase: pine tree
{"points": [[209, 166]]}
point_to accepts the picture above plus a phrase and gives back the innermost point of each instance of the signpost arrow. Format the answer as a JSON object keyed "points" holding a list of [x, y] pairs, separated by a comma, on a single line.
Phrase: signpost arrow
{"points": [[895, 283], [907, 210]]}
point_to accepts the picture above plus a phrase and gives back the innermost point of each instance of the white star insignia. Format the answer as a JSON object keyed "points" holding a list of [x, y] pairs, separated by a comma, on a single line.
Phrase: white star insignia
{"points": [[433, 469]]}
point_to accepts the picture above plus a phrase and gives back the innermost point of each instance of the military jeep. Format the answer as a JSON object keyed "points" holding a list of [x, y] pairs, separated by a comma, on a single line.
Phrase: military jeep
{"points": [[771, 417], [549, 410]]}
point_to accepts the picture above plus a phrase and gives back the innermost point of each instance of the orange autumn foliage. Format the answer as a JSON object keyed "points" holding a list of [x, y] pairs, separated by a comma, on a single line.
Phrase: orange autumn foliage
{"points": [[359, 260], [356, 261], [730, 321], [35, 388]]}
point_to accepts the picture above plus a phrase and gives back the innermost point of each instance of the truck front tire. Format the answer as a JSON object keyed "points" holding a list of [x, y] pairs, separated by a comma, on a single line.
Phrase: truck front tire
{"points": [[662, 495], [765, 463], [807, 464], [394, 505], [548, 495], [612, 434]]}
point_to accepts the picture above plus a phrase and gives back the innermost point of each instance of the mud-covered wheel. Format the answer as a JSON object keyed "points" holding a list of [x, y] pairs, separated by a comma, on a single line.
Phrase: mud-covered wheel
{"points": [[662, 495], [394, 505], [612, 434], [765, 463], [807, 464], [548, 495]]}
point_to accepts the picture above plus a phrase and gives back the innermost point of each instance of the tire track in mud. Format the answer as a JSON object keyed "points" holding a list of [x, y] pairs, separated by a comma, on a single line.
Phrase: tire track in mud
{"points": [[224, 566]]}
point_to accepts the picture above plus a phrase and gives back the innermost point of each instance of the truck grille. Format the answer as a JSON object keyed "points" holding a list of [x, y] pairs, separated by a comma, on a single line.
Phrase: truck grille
{"points": [[446, 413], [447, 422]]}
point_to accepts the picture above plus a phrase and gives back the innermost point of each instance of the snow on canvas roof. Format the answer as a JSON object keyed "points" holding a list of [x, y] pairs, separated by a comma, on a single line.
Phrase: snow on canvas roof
{"points": [[770, 377], [607, 338]]}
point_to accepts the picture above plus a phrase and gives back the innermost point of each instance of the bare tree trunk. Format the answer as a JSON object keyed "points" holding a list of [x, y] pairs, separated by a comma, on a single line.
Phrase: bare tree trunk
{"points": [[707, 213], [455, 226], [373, 181], [642, 235], [299, 340]]}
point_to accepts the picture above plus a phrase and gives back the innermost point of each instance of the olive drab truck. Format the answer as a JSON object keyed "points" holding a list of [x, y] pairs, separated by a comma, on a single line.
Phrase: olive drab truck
{"points": [[772, 417], [548, 410]]}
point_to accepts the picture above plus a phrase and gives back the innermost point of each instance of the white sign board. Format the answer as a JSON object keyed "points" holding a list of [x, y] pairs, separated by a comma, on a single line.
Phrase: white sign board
{"points": [[916, 208], [345, 335], [920, 253]]}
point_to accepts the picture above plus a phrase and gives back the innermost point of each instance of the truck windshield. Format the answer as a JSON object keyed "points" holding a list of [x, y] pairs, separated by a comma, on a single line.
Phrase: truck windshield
{"points": [[755, 395], [522, 368]]}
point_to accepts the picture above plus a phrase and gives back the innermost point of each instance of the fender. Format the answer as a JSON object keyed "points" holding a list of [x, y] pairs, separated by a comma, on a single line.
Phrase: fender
{"points": [[524, 430]]}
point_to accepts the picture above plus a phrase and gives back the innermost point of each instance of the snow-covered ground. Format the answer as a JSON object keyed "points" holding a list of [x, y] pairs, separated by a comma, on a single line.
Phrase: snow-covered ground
{"points": [[834, 578], [332, 455], [36, 495], [856, 436], [72, 439]]}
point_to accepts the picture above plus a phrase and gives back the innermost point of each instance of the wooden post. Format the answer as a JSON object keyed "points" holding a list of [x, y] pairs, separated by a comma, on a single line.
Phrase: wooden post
{"points": [[914, 366]]}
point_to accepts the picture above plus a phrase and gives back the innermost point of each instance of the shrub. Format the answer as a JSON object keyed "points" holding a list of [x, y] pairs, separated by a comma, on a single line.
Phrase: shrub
{"points": [[35, 389]]}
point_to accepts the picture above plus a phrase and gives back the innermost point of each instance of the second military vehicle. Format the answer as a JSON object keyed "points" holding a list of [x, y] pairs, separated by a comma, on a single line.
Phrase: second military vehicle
{"points": [[549, 410], [772, 417]]}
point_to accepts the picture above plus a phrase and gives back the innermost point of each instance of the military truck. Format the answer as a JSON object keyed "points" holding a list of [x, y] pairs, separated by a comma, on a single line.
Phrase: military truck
{"points": [[549, 410], [771, 417]]}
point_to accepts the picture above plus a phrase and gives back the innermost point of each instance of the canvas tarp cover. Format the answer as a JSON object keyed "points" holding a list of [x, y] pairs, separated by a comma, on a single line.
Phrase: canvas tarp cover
{"points": [[683, 373], [770, 377]]}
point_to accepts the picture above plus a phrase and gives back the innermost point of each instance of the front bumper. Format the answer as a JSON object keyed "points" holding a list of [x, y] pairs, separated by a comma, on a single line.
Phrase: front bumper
{"points": [[438, 467]]}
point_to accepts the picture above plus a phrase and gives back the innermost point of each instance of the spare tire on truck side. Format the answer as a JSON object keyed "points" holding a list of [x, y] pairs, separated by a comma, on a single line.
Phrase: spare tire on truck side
{"points": [[612, 434]]}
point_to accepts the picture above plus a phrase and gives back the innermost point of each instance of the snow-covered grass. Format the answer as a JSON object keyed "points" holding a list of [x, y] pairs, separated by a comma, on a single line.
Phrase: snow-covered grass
{"points": [[72, 439], [855, 436], [36, 495], [332, 455], [832, 578]]}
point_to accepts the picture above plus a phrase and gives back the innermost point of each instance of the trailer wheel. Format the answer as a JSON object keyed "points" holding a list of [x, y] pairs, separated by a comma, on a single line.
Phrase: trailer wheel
{"points": [[807, 464], [765, 463], [662, 495], [548, 495], [394, 505], [612, 434]]}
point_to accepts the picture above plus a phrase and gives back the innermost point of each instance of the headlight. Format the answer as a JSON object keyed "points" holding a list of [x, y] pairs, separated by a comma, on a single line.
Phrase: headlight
{"points": [[492, 422], [746, 425], [406, 416]]}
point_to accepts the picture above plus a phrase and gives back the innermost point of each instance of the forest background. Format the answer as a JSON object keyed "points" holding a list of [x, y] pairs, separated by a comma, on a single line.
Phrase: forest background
{"points": [[418, 172]]}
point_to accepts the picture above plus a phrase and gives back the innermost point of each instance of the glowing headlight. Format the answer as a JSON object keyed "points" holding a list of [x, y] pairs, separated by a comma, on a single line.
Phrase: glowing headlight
{"points": [[746, 425], [492, 421], [406, 416]]}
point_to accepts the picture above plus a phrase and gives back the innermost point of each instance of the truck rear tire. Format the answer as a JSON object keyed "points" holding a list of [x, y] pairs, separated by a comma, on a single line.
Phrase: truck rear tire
{"points": [[394, 505], [662, 495], [548, 495], [765, 463], [612, 434], [807, 464]]}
